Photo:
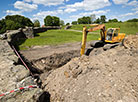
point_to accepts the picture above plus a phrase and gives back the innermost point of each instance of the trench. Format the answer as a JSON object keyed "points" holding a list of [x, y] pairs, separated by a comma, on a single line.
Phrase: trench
{"points": [[44, 66]]}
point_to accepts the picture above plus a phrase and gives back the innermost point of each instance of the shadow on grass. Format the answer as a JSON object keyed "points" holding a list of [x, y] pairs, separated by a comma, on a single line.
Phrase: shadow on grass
{"points": [[19, 42], [36, 35]]}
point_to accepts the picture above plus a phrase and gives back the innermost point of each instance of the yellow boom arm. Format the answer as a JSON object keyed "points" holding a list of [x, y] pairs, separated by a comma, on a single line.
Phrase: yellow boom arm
{"points": [[85, 31]]}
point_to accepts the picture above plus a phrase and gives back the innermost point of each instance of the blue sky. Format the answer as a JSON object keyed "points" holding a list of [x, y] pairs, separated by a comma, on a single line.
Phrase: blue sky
{"points": [[70, 10]]}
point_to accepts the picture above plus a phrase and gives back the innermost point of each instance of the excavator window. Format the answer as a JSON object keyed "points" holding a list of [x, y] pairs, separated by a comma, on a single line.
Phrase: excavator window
{"points": [[116, 33], [109, 34]]}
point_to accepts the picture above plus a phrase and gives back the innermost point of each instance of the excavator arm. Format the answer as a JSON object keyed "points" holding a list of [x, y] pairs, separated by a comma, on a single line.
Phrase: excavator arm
{"points": [[85, 32]]}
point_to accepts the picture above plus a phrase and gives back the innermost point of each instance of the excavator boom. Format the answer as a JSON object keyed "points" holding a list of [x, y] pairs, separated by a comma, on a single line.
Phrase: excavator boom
{"points": [[85, 31]]}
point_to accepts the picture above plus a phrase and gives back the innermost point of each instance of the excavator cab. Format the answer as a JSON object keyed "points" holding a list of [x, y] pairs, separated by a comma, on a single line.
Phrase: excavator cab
{"points": [[113, 35], [109, 34]]}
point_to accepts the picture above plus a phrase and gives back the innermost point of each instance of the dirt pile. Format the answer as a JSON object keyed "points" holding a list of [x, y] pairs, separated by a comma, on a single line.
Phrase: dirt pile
{"points": [[131, 42], [109, 76]]}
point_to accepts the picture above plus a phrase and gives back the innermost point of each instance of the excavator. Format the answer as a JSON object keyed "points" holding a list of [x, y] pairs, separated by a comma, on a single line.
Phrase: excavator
{"points": [[110, 37]]}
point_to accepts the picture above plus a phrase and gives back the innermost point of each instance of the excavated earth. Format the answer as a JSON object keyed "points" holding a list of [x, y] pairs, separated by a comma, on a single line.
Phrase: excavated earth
{"points": [[103, 76]]}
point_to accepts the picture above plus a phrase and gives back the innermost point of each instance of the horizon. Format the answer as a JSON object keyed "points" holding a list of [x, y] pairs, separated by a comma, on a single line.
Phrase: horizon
{"points": [[70, 10]]}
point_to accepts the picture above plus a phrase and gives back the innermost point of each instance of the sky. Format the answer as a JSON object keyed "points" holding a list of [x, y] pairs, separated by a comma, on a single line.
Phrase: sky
{"points": [[70, 10]]}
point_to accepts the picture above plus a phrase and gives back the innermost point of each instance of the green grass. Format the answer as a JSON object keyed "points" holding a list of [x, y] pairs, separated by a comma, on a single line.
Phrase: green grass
{"points": [[54, 37], [125, 27]]}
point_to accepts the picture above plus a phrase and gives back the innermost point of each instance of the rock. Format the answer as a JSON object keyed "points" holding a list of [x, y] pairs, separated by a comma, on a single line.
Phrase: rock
{"points": [[67, 27], [15, 76], [29, 32], [3, 36]]}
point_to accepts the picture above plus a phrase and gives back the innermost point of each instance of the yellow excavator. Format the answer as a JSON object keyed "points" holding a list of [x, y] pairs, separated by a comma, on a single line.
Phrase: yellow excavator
{"points": [[110, 36]]}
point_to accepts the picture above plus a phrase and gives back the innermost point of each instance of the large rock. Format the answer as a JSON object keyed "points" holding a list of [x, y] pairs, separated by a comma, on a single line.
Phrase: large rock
{"points": [[14, 76]]}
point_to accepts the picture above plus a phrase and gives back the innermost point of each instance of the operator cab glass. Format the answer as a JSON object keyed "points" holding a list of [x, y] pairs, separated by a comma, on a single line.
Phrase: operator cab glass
{"points": [[116, 32], [109, 34]]}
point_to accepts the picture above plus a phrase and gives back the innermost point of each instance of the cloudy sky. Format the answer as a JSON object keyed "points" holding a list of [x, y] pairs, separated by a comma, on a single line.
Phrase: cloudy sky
{"points": [[70, 10]]}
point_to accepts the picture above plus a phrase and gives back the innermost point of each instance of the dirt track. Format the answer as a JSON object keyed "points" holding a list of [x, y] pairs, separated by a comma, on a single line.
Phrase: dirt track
{"points": [[103, 76]]}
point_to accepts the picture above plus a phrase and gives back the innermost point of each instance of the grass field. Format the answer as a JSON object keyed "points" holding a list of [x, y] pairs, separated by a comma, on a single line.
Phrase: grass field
{"points": [[126, 27], [54, 37]]}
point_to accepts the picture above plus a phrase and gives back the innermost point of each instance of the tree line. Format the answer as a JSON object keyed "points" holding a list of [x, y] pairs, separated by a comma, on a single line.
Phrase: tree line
{"points": [[100, 20], [14, 22]]}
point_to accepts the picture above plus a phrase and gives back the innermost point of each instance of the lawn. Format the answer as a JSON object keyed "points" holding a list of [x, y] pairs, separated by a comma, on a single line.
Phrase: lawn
{"points": [[54, 37], [125, 27]]}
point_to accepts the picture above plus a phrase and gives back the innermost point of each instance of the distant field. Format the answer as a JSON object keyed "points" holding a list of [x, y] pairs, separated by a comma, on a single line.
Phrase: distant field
{"points": [[126, 27], [54, 37]]}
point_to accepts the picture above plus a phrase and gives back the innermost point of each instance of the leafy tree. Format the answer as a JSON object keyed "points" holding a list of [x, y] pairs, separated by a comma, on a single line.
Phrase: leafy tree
{"points": [[36, 23], [80, 21], [56, 21], [103, 19], [51, 21], [48, 21], [84, 20], [14, 22], [74, 22], [62, 22], [113, 20], [2, 26], [132, 20], [98, 20], [67, 23]]}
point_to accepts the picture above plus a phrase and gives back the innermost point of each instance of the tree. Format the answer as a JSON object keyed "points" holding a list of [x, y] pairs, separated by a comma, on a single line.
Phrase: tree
{"points": [[103, 19], [14, 22], [56, 21], [48, 21], [98, 20], [62, 22], [74, 23], [132, 20], [67, 23], [84, 20], [51, 21], [113, 20], [93, 18], [36, 23]]}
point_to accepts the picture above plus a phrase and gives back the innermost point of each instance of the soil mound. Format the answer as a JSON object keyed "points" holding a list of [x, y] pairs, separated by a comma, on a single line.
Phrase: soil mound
{"points": [[131, 42], [109, 76]]}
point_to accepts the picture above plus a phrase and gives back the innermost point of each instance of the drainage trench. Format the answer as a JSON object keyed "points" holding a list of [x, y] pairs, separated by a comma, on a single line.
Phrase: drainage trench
{"points": [[44, 66]]}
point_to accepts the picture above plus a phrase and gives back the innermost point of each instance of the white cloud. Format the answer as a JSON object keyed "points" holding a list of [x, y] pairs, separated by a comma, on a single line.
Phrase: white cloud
{"points": [[27, 0], [129, 14], [97, 13], [47, 2], [120, 1], [11, 12], [87, 5], [42, 14], [45, 13], [69, 10], [25, 6], [133, 3], [135, 9]]}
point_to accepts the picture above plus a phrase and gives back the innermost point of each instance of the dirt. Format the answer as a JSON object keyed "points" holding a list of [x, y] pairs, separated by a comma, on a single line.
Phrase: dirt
{"points": [[103, 76]]}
